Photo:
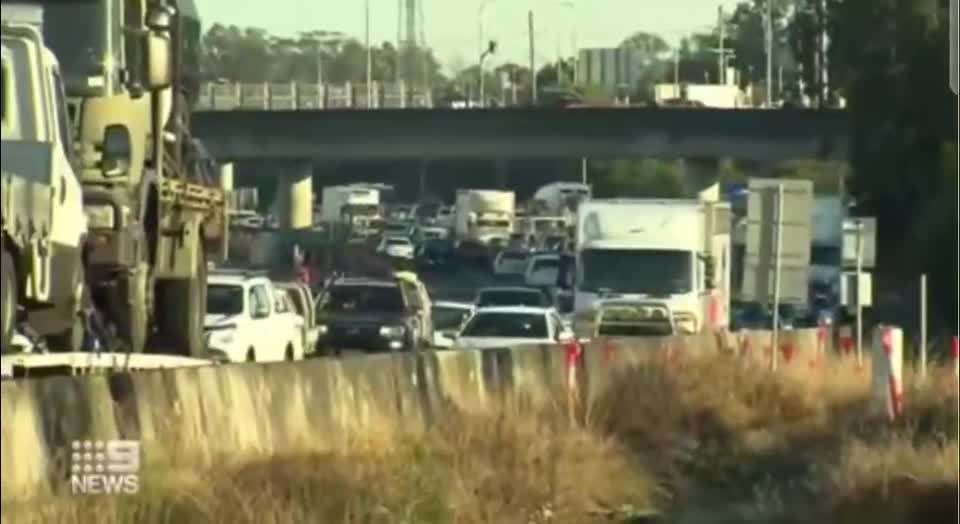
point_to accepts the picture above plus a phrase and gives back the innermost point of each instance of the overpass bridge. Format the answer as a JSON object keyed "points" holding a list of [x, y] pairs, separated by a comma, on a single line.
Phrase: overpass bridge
{"points": [[291, 125]]}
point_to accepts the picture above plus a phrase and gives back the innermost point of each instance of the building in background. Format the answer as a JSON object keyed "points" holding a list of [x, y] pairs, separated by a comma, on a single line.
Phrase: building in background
{"points": [[725, 96], [617, 69]]}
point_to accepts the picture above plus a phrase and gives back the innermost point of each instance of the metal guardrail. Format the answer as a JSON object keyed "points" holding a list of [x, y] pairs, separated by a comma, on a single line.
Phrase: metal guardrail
{"points": [[26, 364], [296, 96]]}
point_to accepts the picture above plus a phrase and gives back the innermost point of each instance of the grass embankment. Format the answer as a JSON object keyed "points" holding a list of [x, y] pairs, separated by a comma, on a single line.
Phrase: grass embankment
{"points": [[713, 441]]}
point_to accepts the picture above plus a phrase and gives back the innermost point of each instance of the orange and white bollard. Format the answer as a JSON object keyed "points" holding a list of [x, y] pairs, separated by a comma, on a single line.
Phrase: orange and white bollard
{"points": [[848, 342], [574, 353], [888, 371]]}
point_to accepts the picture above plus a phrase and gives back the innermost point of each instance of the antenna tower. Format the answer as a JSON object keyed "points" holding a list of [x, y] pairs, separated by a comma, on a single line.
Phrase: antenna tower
{"points": [[411, 39]]}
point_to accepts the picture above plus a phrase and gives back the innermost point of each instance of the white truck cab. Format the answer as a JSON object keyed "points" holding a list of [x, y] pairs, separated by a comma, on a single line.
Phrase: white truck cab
{"points": [[43, 226], [246, 323], [675, 251]]}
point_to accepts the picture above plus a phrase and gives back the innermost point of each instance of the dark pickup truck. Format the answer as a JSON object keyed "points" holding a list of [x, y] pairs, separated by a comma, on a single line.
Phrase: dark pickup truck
{"points": [[368, 314]]}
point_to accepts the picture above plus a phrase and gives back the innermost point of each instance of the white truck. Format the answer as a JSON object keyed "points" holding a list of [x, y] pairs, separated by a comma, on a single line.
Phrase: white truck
{"points": [[674, 251], [44, 227], [357, 205], [484, 216], [826, 251], [561, 198]]}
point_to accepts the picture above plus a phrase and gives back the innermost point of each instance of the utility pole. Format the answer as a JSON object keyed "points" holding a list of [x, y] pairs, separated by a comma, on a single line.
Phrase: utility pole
{"points": [[369, 56], [676, 72], [533, 64], [769, 49], [722, 55]]}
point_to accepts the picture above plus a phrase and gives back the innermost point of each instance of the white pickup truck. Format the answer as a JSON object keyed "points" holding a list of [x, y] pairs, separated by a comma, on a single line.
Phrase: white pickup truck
{"points": [[245, 321]]}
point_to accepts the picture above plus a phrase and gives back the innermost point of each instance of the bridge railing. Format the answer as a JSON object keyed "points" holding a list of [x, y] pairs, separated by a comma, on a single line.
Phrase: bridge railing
{"points": [[293, 96]]}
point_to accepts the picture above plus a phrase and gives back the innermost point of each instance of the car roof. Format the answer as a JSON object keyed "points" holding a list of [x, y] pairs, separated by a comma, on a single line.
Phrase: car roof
{"points": [[528, 310], [365, 282], [454, 305], [509, 288], [234, 279]]}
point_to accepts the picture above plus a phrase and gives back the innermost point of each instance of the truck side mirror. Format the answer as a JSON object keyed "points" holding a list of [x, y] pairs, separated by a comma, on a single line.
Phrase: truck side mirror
{"points": [[158, 60], [115, 161], [160, 17]]}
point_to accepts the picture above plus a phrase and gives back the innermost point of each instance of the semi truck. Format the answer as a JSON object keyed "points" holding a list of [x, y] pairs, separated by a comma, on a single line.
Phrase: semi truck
{"points": [[156, 215], [484, 217], [675, 251], [561, 198], [356, 205], [43, 223]]}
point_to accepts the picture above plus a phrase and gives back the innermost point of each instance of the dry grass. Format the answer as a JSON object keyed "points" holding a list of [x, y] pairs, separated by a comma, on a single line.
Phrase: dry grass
{"points": [[726, 438], [503, 468], [733, 440]]}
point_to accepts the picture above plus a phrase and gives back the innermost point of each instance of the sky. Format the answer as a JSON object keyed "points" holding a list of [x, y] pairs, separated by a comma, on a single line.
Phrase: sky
{"points": [[452, 27]]}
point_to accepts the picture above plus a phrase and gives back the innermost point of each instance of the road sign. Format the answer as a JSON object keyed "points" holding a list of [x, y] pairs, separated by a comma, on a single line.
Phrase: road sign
{"points": [[866, 229], [851, 286], [760, 262], [953, 45]]}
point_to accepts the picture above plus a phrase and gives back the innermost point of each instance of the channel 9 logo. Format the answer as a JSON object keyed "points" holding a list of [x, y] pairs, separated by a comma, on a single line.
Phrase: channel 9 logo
{"points": [[105, 467]]}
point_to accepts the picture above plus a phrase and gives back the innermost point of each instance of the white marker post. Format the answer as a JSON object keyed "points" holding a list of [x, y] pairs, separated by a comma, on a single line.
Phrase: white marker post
{"points": [[859, 305], [777, 253], [923, 326]]}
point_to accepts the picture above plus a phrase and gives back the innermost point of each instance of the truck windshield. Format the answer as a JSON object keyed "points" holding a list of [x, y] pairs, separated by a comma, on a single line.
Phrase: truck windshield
{"points": [[825, 256], [493, 223], [75, 32], [361, 209], [648, 271]]}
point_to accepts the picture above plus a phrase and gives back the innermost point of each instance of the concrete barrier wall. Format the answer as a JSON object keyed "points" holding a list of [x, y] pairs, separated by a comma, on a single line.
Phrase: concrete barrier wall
{"points": [[199, 417]]}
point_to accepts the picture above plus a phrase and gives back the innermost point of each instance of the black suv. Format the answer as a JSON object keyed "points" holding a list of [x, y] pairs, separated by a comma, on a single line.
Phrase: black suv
{"points": [[368, 314]]}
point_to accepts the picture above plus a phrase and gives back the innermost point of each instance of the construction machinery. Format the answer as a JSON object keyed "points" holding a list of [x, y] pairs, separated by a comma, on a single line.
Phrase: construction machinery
{"points": [[155, 211]]}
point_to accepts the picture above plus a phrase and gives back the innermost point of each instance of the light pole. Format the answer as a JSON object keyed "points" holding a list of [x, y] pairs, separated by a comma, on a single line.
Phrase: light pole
{"points": [[491, 49], [769, 49], [369, 56]]}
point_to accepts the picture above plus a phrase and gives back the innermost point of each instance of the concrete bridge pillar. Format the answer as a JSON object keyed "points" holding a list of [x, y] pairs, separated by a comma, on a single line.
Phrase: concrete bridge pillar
{"points": [[293, 204], [503, 173]]}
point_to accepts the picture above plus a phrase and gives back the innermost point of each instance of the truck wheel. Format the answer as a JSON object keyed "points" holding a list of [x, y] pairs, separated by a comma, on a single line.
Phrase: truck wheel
{"points": [[183, 306], [8, 299], [133, 319]]}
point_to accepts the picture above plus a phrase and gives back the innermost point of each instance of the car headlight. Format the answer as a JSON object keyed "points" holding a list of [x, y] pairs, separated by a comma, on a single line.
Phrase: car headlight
{"points": [[686, 322], [392, 331], [100, 216], [322, 329]]}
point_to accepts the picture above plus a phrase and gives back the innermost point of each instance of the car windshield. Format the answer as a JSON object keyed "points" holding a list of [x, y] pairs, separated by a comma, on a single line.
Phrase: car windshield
{"points": [[511, 297], [445, 317], [398, 242], [224, 300], [541, 264], [513, 257], [506, 325], [396, 228], [343, 298], [649, 271]]}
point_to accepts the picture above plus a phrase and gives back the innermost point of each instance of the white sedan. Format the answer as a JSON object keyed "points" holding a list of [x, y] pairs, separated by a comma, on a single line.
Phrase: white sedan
{"points": [[503, 327], [396, 247]]}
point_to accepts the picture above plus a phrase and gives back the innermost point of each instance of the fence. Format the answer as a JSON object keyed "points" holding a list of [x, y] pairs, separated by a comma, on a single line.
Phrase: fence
{"points": [[294, 96]]}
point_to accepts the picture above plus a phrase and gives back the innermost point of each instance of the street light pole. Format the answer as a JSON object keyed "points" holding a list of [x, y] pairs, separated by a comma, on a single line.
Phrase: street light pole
{"points": [[769, 49], [369, 56]]}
